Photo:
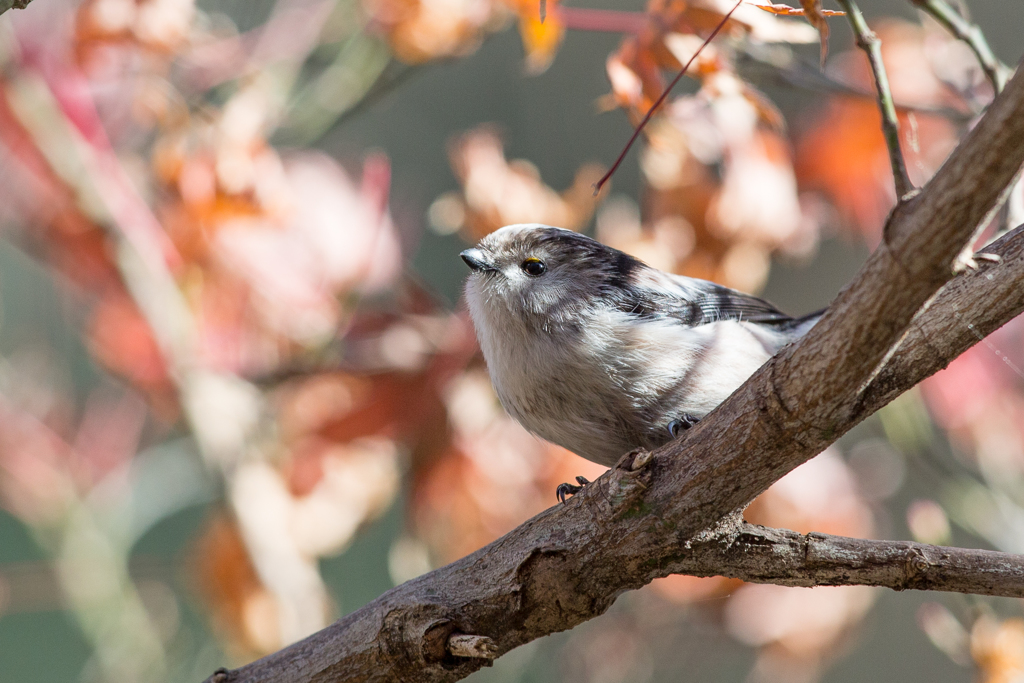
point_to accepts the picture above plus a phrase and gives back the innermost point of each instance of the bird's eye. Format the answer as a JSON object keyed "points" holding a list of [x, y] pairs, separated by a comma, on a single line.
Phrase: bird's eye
{"points": [[534, 266]]}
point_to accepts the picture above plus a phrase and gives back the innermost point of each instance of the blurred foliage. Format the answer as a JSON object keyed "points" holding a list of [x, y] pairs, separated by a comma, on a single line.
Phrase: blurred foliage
{"points": [[234, 404]]}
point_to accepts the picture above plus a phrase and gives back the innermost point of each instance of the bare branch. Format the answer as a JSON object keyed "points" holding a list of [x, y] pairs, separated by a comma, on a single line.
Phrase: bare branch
{"points": [[868, 41], [968, 309], [996, 72], [760, 64], [972, 35], [758, 554], [569, 563]]}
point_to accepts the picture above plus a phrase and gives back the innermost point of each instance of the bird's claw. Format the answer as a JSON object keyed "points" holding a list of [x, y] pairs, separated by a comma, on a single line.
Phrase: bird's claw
{"points": [[676, 427], [566, 490]]}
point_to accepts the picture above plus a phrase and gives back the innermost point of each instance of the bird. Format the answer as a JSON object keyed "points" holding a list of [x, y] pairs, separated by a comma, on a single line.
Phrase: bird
{"points": [[594, 350]]}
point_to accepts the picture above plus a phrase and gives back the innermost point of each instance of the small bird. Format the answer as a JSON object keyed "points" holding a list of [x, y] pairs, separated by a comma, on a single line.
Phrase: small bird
{"points": [[594, 350]]}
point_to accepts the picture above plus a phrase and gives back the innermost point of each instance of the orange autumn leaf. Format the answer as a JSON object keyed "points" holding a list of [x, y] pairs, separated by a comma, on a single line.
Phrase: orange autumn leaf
{"points": [[160, 26], [843, 153], [815, 15], [634, 72], [497, 192], [242, 609], [421, 30], [541, 31], [787, 11], [674, 31], [998, 649]]}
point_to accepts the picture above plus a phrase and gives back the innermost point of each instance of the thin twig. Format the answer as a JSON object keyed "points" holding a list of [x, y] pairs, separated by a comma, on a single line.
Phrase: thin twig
{"points": [[650, 112], [971, 34], [760, 65], [996, 72], [868, 41]]}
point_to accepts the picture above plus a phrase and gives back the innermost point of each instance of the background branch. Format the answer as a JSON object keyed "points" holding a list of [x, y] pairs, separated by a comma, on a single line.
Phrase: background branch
{"points": [[868, 41], [996, 72], [969, 33], [761, 64]]}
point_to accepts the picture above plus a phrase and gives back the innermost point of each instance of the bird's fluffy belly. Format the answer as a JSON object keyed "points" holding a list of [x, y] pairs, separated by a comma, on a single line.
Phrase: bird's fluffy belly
{"points": [[618, 387]]}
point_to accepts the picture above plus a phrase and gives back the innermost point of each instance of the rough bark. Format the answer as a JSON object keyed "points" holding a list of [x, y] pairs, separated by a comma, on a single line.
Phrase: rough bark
{"points": [[633, 524], [740, 550], [968, 309]]}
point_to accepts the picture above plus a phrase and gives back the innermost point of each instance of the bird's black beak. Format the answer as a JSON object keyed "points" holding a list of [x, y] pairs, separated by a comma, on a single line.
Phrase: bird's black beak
{"points": [[476, 260]]}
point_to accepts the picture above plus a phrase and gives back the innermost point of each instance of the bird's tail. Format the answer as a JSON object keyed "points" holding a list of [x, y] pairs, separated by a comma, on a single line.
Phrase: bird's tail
{"points": [[800, 326]]}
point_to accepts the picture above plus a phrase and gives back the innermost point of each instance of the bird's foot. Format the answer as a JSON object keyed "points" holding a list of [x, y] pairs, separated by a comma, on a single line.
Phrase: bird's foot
{"points": [[565, 490], [677, 427]]}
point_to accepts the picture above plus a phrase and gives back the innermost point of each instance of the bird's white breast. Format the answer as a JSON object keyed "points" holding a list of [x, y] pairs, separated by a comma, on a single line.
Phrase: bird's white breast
{"points": [[612, 382]]}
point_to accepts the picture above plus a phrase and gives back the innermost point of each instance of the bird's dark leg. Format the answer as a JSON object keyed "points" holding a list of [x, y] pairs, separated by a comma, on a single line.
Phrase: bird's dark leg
{"points": [[676, 427], [565, 490]]}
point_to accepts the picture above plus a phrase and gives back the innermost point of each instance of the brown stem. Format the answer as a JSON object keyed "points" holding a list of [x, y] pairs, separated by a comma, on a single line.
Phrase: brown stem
{"points": [[868, 41], [650, 112], [971, 35]]}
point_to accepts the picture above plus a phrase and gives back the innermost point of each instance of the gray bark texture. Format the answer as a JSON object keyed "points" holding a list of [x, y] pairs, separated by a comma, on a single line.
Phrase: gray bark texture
{"points": [[911, 309], [739, 550]]}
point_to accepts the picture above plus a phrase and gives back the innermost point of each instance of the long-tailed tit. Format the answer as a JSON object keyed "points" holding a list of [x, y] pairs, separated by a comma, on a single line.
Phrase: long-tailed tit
{"points": [[600, 353]]}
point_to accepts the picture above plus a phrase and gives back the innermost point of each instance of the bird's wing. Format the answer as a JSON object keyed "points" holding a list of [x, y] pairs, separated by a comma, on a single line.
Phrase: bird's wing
{"points": [[722, 303], [699, 302]]}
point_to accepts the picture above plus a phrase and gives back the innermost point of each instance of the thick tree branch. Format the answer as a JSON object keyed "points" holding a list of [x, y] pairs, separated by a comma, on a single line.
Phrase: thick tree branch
{"points": [[969, 308], [569, 563], [996, 72], [740, 550]]}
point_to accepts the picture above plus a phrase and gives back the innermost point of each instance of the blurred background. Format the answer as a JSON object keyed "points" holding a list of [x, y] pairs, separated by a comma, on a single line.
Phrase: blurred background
{"points": [[240, 397]]}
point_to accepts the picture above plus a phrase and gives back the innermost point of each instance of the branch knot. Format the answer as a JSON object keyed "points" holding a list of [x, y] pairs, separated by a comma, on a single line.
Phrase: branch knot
{"points": [[916, 564], [627, 482], [476, 647], [221, 675]]}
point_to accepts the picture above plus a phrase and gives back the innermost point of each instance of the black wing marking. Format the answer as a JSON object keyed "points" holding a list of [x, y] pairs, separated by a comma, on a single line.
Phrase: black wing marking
{"points": [[646, 303], [721, 303], [694, 302]]}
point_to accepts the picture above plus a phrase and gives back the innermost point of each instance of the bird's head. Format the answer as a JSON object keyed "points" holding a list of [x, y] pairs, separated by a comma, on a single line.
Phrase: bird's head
{"points": [[535, 270]]}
